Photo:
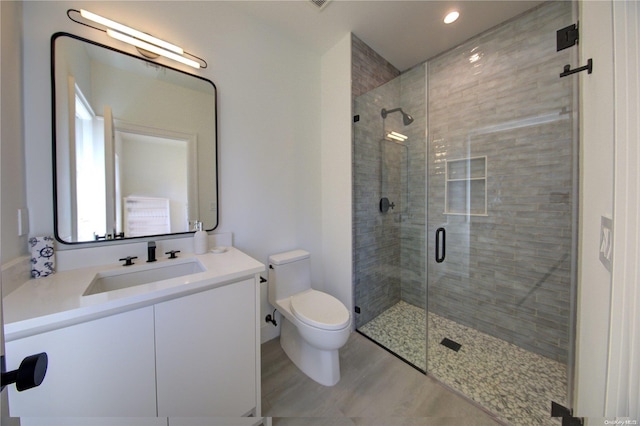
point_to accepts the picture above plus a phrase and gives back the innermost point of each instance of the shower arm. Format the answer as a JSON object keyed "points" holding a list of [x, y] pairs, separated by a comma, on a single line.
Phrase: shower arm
{"points": [[384, 111], [406, 118]]}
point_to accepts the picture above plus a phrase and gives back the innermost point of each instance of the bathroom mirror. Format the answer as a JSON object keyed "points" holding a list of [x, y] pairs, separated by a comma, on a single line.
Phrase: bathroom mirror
{"points": [[135, 145]]}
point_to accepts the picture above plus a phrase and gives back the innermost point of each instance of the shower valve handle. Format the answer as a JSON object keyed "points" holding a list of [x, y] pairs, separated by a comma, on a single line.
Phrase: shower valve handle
{"points": [[385, 204]]}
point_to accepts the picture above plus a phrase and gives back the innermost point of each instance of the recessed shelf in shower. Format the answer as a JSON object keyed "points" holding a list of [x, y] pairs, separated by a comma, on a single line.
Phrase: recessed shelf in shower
{"points": [[466, 186]]}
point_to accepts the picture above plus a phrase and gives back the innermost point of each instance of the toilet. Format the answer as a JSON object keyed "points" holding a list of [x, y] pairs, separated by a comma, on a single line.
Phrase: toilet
{"points": [[314, 324]]}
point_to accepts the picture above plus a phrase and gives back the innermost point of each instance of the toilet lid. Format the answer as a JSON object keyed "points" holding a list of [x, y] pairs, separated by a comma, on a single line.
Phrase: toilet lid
{"points": [[320, 310]]}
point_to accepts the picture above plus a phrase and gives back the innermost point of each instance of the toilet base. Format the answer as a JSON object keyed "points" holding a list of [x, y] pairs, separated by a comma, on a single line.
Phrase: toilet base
{"points": [[320, 365]]}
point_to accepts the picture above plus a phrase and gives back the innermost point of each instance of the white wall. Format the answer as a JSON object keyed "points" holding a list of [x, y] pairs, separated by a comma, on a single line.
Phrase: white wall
{"points": [[336, 171], [268, 116], [13, 194], [596, 200], [11, 135]]}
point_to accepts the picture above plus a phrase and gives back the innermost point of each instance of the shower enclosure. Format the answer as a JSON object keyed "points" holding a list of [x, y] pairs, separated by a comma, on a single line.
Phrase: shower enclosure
{"points": [[464, 226]]}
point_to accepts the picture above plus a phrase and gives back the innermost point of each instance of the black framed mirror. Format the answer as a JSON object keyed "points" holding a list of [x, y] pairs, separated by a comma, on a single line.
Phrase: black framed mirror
{"points": [[134, 145]]}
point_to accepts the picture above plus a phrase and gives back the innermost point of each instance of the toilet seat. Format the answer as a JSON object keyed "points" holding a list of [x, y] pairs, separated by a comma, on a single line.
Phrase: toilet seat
{"points": [[320, 310]]}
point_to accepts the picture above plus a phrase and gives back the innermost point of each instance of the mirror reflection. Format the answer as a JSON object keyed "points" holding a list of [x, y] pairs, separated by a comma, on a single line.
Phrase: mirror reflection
{"points": [[134, 145]]}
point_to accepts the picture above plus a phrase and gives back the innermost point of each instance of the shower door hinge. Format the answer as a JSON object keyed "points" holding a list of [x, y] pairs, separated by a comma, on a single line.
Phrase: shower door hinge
{"points": [[356, 118], [558, 410], [567, 37]]}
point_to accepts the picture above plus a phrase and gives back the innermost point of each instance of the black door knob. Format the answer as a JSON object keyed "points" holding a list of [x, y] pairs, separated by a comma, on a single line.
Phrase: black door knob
{"points": [[30, 373]]}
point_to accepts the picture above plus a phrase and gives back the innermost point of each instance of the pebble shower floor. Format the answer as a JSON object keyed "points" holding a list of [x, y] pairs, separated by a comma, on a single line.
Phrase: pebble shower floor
{"points": [[514, 384]]}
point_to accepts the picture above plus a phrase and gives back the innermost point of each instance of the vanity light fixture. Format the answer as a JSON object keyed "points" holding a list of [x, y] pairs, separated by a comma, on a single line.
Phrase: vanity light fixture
{"points": [[146, 44], [151, 48], [130, 31], [451, 17]]}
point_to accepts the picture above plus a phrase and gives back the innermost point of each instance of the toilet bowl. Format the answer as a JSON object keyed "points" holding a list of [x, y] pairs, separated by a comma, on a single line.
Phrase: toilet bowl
{"points": [[323, 320], [315, 325]]}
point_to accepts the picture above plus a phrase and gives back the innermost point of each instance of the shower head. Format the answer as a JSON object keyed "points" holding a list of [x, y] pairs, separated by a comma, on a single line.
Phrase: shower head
{"points": [[406, 118]]}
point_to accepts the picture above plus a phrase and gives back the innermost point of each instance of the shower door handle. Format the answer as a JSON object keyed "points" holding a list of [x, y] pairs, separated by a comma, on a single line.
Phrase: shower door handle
{"points": [[441, 239]]}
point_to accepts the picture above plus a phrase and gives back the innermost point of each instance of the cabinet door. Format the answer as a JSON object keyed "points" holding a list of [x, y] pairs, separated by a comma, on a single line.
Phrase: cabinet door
{"points": [[206, 353], [101, 368]]}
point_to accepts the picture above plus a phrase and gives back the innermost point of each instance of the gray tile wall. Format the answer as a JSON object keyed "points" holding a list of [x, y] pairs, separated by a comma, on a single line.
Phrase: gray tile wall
{"points": [[389, 247], [376, 251], [413, 268], [377, 245], [368, 69], [508, 273]]}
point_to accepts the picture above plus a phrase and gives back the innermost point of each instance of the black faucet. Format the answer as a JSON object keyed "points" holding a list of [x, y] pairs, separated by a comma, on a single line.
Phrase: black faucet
{"points": [[172, 254], [151, 251], [128, 260]]}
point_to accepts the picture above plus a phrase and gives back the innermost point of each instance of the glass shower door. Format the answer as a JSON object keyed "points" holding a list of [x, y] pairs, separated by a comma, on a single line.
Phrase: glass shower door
{"points": [[389, 216], [501, 217]]}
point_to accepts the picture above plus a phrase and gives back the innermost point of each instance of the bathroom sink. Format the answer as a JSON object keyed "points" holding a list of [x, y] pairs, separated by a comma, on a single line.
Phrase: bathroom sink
{"points": [[143, 274]]}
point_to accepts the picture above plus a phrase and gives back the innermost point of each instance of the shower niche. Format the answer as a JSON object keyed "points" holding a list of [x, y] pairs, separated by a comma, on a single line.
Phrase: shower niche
{"points": [[466, 186]]}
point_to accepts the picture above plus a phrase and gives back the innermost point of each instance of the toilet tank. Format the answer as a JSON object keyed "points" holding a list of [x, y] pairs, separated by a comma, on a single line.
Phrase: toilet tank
{"points": [[289, 273]]}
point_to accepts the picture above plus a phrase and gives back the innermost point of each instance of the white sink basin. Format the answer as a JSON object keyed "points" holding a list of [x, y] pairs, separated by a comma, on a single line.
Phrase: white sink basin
{"points": [[142, 274]]}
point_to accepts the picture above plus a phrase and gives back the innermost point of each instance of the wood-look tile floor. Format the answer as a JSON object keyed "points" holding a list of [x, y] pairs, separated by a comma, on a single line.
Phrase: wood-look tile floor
{"points": [[376, 388]]}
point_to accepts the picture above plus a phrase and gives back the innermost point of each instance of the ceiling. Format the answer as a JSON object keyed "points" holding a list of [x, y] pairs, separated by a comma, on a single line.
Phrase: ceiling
{"points": [[405, 33]]}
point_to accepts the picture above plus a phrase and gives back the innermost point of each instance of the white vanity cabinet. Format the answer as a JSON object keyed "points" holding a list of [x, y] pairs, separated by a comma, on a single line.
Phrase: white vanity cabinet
{"points": [[165, 352], [206, 353], [189, 355], [96, 368]]}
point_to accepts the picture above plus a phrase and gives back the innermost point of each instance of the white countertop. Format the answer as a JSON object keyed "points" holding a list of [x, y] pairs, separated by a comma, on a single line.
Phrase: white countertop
{"points": [[56, 301]]}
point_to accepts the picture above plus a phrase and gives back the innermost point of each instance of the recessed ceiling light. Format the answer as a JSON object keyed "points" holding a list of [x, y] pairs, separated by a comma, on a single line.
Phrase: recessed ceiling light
{"points": [[451, 17]]}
